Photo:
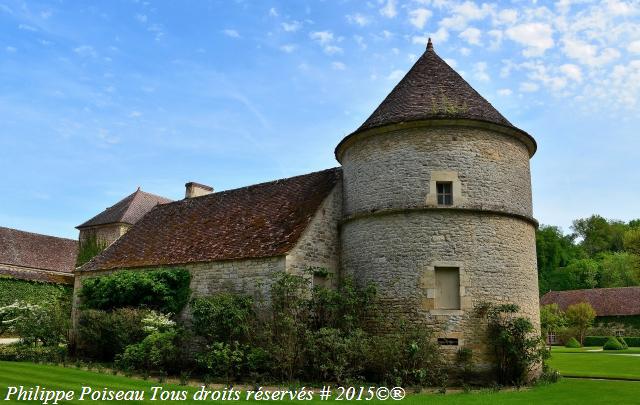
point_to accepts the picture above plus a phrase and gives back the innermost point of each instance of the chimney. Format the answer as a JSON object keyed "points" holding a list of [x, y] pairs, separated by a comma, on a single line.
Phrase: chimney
{"points": [[196, 190]]}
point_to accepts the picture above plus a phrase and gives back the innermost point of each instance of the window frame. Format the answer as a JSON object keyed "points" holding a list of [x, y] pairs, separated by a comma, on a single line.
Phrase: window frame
{"points": [[444, 197]]}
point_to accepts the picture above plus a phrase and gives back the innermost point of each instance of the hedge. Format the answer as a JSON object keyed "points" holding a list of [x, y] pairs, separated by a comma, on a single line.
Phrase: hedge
{"points": [[633, 341], [33, 292], [165, 290]]}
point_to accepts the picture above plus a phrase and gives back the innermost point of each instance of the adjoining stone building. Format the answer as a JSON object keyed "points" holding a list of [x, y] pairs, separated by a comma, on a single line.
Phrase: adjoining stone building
{"points": [[432, 204], [36, 257], [114, 221]]}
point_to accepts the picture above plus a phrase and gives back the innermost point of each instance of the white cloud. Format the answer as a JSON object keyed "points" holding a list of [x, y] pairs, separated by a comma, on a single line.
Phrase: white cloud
{"points": [[451, 62], [504, 92], [634, 47], [440, 36], [389, 9], [26, 27], [360, 41], [358, 19], [573, 72], [420, 40], [231, 33], [418, 17], [292, 26], [10, 49], [587, 54], [288, 48], [338, 66], [396, 75], [507, 16], [85, 51], [135, 114], [387, 34], [273, 12], [529, 87], [465, 51], [480, 72], [332, 49], [322, 37], [536, 37], [141, 17], [471, 35]]}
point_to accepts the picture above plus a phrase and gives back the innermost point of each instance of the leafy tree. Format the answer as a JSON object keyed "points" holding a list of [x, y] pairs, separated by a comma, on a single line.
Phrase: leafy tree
{"points": [[554, 250], [620, 269], [631, 240], [551, 318], [599, 235], [581, 316]]}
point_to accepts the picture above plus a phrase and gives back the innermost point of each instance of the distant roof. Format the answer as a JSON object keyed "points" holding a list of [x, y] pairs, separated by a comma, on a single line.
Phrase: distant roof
{"points": [[432, 90], [129, 210], [605, 301], [262, 220], [35, 251]]}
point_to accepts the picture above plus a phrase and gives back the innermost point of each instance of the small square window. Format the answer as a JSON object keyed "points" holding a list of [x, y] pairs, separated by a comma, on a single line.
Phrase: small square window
{"points": [[445, 192]]}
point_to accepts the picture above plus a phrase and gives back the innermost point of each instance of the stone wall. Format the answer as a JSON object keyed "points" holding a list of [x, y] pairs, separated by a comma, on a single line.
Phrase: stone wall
{"points": [[399, 252], [104, 233], [395, 235], [319, 246], [394, 169]]}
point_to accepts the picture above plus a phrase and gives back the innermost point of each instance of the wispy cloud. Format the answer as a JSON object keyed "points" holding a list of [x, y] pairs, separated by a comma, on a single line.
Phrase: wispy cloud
{"points": [[231, 33]]}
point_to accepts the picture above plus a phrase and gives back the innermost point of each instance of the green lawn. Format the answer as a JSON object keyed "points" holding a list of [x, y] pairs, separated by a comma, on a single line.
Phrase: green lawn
{"points": [[624, 364], [597, 349], [565, 392]]}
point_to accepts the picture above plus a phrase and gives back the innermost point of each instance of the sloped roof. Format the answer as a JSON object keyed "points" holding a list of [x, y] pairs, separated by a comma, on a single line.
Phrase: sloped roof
{"points": [[432, 90], [36, 251], [606, 301], [262, 220], [129, 210]]}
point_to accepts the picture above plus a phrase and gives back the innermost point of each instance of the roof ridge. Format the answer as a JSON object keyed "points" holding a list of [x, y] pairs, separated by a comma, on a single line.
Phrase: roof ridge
{"points": [[37, 234], [264, 183]]}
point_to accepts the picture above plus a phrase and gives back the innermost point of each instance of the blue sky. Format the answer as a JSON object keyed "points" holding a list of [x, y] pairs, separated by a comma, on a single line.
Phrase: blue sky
{"points": [[97, 98]]}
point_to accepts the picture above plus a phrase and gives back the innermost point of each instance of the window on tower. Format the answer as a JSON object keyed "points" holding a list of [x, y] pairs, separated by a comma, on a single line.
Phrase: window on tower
{"points": [[445, 192]]}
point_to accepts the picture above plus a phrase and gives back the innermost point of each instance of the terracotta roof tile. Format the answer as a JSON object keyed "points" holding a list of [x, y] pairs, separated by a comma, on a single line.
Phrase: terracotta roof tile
{"points": [[26, 249], [605, 301], [129, 210], [256, 221], [432, 90]]}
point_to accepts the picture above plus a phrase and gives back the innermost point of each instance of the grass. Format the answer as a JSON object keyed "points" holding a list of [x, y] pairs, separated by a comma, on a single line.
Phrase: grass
{"points": [[594, 350], [565, 392], [622, 364]]}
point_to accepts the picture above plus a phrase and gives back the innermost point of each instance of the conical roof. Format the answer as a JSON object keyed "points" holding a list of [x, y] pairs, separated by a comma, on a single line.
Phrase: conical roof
{"points": [[433, 90], [129, 210]]}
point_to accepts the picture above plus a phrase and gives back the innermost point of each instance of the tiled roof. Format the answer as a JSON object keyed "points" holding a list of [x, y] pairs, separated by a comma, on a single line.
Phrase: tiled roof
{"points": [[605, 301], [432, 90], [26, 249], [257, 221], [129, 210]]}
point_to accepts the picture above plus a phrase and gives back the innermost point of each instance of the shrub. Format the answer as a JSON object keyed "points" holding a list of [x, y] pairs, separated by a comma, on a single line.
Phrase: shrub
{"points": [[613, 344], [623, 342], [595, 340], [102, 335], [222, 359], [406, 356], [44, 324], [572, 343], [223, 317], [156, 353], [36, 354], [164, 290], [633, 341], [516, 349], [334, 355]]}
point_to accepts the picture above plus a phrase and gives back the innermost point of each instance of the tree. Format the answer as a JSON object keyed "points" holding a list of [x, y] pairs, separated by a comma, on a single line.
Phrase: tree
{"points": [[554, 250], [631, 240], [620, 269], [551, 319], [581, 316], [599, 235]]}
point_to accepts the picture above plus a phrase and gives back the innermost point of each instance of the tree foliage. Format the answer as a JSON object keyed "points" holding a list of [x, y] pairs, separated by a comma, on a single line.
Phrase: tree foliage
{"points": [[581, 316]]}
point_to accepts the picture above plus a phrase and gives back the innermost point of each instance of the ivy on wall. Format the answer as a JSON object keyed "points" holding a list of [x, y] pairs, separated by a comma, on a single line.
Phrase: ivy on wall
{"points": [[165, 290], [33, 292]]}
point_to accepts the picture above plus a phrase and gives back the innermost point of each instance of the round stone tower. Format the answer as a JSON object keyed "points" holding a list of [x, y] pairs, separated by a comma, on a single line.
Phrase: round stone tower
{"points": [[437, 206]]}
